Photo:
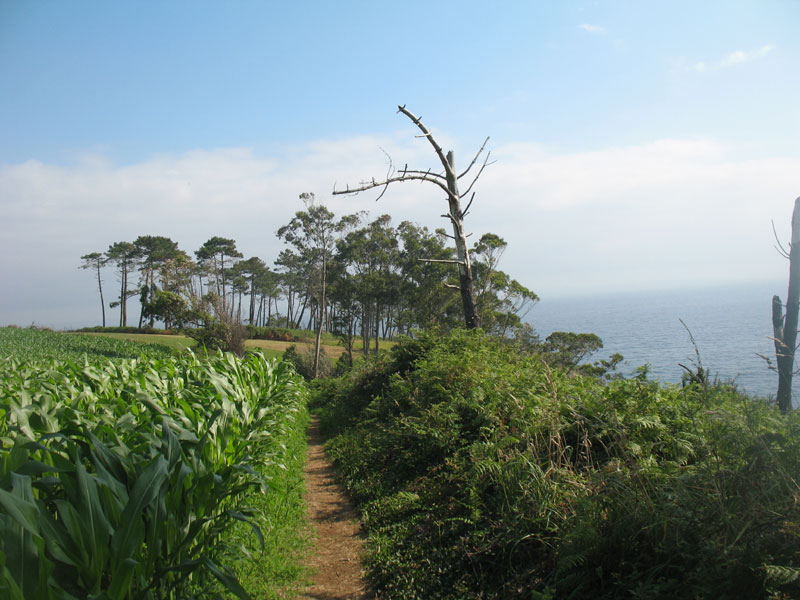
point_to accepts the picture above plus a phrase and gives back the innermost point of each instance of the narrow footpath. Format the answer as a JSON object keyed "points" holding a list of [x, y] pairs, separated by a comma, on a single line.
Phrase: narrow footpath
{"points": [[339, 545]]}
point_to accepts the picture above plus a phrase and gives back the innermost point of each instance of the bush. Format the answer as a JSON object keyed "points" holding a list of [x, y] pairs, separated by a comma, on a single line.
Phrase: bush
{"points": [[482, 472], [223, 335], [303, 362]]}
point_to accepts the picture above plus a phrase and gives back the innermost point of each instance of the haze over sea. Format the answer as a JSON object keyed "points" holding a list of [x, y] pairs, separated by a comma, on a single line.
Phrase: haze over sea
{"points": [[731, 325]]}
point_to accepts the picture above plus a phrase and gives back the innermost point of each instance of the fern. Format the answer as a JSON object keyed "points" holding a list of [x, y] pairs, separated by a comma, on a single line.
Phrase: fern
{"points": [[781, 575]]}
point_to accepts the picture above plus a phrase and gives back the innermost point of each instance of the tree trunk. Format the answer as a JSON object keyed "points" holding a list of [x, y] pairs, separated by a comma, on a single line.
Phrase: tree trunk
{"points": [[322, 302], [252, 301], [299, 319], [365, 325], [377, 329], [786, 342], [289, 307], [466, 281], [123, 295], [100, 285]]}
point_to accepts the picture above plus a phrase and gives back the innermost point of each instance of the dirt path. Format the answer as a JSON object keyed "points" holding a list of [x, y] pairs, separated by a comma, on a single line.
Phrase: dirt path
{"points": [[339, 544]]}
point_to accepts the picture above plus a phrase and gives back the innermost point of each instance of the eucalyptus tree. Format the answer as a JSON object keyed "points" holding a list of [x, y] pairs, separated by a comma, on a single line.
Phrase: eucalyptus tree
{"points": [[124, 256], [312, 233], [152, 251], [501, 300], [295, 281], [95, 261], [371, 255], [448, 180], [215, 255], [426, 298], [266, 286], [348, 311], [251, 270]]}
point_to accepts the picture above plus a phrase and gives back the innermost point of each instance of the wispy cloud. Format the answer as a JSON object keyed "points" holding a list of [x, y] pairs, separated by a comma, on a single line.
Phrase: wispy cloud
{"points": [[592, 28], [737, 57]]}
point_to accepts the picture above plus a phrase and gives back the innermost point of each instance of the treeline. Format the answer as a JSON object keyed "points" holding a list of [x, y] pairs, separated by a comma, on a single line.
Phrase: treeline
{"points": [[348, 275]]}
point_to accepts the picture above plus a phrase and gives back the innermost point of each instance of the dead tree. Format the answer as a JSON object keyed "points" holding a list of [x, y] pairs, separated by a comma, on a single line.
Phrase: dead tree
{"points": [[448, 182], [785, 325]]}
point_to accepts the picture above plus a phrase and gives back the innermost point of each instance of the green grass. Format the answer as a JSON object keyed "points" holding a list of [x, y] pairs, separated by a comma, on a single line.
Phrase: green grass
{"points": [[270, 348], [277, 571]]}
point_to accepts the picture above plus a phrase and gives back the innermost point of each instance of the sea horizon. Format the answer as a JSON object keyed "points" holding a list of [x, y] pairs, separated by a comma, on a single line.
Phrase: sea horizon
{"points": [[731, 325]]}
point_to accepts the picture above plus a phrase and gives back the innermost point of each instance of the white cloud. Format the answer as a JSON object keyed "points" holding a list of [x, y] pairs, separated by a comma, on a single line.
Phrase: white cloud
{"points": [[734, 58], [738, 57], [668, 212], [592, 28]]}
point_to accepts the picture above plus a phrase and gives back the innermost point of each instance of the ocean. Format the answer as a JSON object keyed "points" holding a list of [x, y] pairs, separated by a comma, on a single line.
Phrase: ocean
{"points": [[731, 326]]}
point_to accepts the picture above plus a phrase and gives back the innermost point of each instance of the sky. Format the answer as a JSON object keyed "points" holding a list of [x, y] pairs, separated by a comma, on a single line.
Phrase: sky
{"points": [[636, 145]]}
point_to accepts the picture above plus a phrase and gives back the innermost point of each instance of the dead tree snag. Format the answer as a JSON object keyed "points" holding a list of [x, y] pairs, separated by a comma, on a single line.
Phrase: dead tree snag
{"points": [[785, 325], [448, 181]]}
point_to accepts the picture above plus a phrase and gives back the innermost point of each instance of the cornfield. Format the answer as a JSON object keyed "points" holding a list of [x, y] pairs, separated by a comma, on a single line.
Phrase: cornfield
{"points": [[119, 479], [36, 344]]}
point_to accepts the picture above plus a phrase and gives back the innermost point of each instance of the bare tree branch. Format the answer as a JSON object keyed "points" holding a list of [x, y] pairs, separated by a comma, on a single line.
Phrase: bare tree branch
{"points": [[478, 174], [426, 133], [449, 216], [428, 172], [466, 210], [451, 261], [373, 184], [475, 158], [781, 250]]}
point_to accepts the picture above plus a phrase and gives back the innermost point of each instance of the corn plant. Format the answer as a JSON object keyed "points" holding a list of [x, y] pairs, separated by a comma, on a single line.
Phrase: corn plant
{"points": [[36, 344], [119, 479]]}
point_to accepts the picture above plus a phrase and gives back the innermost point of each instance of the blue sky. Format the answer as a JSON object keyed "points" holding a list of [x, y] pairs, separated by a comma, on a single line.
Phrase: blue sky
{"points": [[639, 145]]}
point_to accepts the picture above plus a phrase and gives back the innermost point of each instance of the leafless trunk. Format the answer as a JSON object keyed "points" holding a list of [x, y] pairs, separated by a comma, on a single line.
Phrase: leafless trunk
{"points": [[456, 216], [785, 326], [448, 182]]}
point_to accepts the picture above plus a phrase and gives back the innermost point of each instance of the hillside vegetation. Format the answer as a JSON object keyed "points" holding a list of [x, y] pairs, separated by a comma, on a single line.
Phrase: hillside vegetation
{"points": [[482, 472]]}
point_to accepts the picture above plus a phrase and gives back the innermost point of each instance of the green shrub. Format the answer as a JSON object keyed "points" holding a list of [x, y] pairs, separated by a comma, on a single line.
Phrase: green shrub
{"points": [[303, 361], [483, 472], [223, 335]]}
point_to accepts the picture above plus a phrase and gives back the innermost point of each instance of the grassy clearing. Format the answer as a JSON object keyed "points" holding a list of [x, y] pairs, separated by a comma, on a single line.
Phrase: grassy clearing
{"points": [[483, 473], [280, 347], [270, 348]]}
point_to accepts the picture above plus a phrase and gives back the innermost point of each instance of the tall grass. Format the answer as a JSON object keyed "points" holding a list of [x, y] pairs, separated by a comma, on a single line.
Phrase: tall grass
{"points": [[122, 479]]}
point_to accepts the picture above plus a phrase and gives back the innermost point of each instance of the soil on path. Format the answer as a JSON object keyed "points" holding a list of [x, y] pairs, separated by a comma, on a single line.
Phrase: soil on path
{"points": [[339, 544]]}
